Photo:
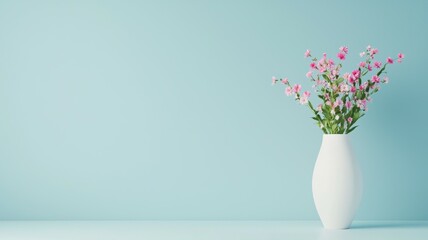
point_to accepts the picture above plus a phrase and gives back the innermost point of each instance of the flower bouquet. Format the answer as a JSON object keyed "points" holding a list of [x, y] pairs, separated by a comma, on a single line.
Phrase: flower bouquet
{"points": [[344, 97]]}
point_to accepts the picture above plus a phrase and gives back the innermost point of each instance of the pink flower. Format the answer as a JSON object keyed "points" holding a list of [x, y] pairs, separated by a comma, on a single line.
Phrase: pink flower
{"points": [[362, 54], [319, 108], [306, 94], [321, 69], [288, 91], [377, 64], [309, 74], [313, 65], [376, 79], [374, 51], [304, 97], [364, 86], [346, 75], [296, 88], [274, 80], [349, 119], [362, 64], [284, 80], [341, 55], [344, 49], [353, 89], [400, 57], [390, 60], [351, 78], [307, 53], [362, 104], [356, 73], [369, 47], [369, 67], [337, 103], [348, 104]]}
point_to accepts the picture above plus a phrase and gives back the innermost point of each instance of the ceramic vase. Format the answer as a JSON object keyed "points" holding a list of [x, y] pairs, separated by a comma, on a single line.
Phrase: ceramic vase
{"points": [[336, 182]]}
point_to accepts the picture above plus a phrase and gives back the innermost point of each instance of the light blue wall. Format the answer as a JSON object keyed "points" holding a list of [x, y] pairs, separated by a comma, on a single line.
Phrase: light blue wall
{"points": [[164, 109]]}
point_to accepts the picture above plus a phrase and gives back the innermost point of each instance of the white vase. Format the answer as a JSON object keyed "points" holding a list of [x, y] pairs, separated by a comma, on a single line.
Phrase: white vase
{"points": [[336, 182]]}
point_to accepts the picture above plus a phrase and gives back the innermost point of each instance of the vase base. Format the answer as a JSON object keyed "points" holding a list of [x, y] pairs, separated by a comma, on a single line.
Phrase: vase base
{"points": [[336, 227]]}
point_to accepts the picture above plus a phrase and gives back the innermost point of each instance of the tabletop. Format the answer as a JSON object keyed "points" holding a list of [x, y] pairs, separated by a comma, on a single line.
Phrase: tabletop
{"points": [[224, 230]]}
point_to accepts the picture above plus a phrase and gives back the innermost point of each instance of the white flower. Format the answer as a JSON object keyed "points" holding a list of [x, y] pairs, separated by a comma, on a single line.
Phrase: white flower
{"points": [[385, 79], [344, 87], [337, 117], [274, 80], [303, 100]]}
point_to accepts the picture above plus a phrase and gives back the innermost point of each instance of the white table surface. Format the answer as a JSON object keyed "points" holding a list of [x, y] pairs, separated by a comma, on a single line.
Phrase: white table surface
{"points": [[201, 230]]}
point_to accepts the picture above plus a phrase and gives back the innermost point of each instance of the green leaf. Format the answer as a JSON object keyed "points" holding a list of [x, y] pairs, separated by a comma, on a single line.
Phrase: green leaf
{"points": [[344, 99], [326, 112], [326, 77], [356, 116], [359, 95], [381, 70], [310, 105], [351, 129]]}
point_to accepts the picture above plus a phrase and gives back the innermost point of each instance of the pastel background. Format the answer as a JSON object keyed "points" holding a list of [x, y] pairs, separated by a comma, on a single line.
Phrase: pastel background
{"points": [[164, 110]]}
